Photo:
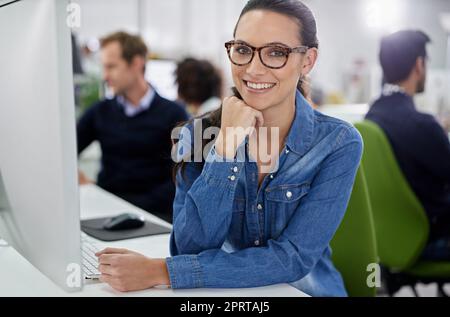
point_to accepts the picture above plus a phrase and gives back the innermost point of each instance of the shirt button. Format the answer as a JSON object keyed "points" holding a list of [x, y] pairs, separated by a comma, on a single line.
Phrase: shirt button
{"points": [[256, 242], [287, 151], [271, 176], [232, 177], [289, 194], [259, 206], [235, 169]]}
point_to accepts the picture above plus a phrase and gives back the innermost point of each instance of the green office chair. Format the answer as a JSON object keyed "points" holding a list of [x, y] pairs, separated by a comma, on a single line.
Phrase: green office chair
{"points": [[401, 225], [354, 245]]}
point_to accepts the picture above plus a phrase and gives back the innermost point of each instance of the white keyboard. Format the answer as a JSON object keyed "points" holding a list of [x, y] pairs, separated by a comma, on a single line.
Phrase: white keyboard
{"points": [[90, 263]]}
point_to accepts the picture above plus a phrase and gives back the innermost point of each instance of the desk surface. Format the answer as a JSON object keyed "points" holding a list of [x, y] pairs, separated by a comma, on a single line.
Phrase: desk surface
{"points": [[19, 278], [348, 112]]}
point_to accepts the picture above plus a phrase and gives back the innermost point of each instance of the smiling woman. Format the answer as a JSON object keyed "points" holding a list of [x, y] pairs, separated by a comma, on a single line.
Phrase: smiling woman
{"points": [[283, 60], [237, 224]]}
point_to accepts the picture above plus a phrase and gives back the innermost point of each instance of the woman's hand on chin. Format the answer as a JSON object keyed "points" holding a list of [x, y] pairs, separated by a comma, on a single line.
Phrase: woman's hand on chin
{"points": [[238, 121]]}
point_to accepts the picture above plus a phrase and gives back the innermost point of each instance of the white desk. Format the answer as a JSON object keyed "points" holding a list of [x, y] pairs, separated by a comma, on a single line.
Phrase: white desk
{"points": [[348, 112], [19, 278]]}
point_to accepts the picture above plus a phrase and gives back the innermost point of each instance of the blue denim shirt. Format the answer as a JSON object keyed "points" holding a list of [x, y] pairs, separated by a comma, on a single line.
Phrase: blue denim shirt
{"points": [[228, 233]]}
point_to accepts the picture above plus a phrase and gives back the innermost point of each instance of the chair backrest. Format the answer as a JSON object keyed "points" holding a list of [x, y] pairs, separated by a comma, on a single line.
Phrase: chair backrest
{"points": [[354, 245], [401, 225]]}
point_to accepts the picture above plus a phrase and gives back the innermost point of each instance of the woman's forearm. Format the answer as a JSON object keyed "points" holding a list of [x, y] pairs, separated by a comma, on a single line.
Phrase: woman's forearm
{"points": [[206, 205], [160, 272]]}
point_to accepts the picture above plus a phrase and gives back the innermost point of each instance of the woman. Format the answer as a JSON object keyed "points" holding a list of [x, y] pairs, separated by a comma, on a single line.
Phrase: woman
{"points": [[254, 222]]}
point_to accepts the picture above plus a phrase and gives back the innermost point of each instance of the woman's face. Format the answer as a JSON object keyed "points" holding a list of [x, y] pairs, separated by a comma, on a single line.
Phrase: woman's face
{"points": [[258, 28]]}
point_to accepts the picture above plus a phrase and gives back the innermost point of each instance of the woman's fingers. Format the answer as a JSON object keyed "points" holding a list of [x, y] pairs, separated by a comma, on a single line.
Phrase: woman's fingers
{"points": [[240, 114], [108, 259], [112, 251], [238, 121], [106, 269], [113, 282], [259, 118]]}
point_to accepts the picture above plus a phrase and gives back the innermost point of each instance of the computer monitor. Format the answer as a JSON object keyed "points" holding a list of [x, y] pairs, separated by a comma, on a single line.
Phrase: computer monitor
{"points": [[38, 161]]}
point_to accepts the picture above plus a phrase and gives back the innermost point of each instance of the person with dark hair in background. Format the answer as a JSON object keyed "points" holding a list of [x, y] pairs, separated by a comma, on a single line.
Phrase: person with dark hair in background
{"points": [[199, 85], [420, 144], [133, 129]]}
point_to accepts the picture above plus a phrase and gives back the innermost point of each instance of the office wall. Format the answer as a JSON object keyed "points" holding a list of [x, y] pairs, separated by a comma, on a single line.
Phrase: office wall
{"points": [[99, 17], [349, 30], [172, 28], [352, 29]]}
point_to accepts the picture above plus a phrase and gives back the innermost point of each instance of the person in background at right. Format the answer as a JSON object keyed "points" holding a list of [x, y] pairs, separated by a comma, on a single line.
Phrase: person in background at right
{"points": [[199, 86], [420, 144]]}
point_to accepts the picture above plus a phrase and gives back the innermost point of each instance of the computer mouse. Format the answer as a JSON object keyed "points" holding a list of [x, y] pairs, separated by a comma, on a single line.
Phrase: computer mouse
{"points": [[123, 222]]}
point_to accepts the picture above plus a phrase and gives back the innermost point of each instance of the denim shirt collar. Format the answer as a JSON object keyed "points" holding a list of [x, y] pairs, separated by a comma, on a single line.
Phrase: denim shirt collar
{"points": [[300, 135]]}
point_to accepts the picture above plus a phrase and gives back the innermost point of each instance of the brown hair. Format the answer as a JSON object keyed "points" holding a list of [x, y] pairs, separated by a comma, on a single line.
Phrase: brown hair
{"points": [[131, 45], [198, 80]]}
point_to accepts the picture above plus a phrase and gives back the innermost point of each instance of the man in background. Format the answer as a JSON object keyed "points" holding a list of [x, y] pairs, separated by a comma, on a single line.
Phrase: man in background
{"points": [[133, 129], [419, 143]]}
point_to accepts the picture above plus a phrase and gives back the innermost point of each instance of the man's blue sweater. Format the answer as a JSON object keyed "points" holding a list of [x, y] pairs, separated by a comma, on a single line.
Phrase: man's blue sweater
{"points": [[422, 150], [136, 163]]}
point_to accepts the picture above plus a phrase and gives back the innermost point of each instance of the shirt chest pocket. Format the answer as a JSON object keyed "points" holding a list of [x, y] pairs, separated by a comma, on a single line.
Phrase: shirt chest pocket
{"points": [[282, 202]]}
